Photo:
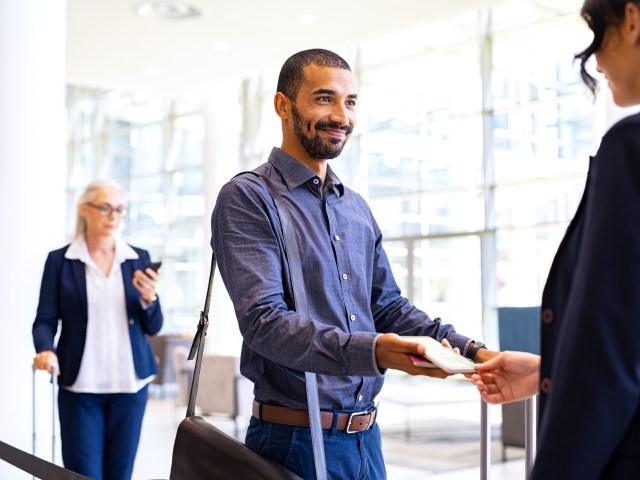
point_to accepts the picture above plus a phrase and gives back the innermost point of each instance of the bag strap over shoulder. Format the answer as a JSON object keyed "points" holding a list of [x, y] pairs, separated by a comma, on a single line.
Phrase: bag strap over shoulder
{"points": [[300, 300], [197, 347]]}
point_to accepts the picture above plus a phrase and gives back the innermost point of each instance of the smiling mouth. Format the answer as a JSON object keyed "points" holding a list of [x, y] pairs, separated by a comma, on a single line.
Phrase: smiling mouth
{"points": [[336, 132]]}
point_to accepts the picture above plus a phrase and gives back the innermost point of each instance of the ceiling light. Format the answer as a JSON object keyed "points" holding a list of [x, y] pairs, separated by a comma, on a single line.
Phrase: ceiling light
{"points": [[307, 19], [166, 10]]}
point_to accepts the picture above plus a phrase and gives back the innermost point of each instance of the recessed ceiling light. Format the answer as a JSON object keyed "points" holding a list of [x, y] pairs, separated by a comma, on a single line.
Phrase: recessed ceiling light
{"points": [[307, 19], [167, 10]]}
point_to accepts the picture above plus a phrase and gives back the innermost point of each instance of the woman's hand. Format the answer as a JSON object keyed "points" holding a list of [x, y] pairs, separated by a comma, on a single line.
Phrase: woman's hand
{"points": [[508, 377], [45, 360], [146, 283]]}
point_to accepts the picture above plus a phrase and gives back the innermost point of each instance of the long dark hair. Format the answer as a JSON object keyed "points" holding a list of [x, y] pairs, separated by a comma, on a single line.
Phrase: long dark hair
{"points": [[598, 14]]}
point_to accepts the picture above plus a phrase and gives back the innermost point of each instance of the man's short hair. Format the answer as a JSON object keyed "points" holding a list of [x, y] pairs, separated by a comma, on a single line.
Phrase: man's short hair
{"points": [[292, 72]]}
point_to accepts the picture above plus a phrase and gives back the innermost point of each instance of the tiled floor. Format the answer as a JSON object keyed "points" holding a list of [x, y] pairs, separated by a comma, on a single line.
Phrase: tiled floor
{"points": [[443, 400]]}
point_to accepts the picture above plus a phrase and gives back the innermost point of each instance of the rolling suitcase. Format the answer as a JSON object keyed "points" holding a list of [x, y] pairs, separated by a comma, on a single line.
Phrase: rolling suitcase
{"points": [[30, 462], [54, 385], [529, 440]]}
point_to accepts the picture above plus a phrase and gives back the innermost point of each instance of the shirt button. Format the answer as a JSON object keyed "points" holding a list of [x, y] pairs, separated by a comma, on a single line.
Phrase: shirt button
{"points": [[131, 321], [545, 385], [316, 181], [359, 398], [344, 276], [352, 317], [548, 316], [336, 238]]}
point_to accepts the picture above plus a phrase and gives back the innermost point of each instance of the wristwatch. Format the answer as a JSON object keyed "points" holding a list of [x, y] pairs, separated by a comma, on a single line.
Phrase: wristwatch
{"points": [[473, 348]]}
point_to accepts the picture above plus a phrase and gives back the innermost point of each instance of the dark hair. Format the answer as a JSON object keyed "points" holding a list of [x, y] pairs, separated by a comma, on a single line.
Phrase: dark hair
{"points": [[598, 14], [292, 72]]}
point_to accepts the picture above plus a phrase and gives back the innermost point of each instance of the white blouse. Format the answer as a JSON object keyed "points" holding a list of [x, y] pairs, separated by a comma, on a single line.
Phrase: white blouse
{"points": [[107, 359]]}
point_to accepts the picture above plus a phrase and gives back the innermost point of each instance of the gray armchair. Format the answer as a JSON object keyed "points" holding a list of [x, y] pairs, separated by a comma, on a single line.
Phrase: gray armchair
{"points": [[183, 371], [222, 390]]}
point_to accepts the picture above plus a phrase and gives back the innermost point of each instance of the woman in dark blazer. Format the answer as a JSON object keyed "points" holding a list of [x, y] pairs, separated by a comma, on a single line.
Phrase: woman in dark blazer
{"points": [[588, 374], [96, 291]]}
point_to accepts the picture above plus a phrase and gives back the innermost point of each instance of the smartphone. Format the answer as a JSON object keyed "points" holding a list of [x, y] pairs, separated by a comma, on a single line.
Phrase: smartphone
{"points": [[155, 266], [442, 357]]}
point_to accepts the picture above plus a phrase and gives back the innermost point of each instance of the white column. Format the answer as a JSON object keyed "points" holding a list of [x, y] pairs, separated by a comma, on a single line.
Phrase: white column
{"points": [[223, 124], [32, 198]]}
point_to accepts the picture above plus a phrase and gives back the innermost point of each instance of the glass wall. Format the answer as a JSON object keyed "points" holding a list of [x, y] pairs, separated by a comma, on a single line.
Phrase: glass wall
{"points": [[472, 146], [475, 131], [154, 147]]}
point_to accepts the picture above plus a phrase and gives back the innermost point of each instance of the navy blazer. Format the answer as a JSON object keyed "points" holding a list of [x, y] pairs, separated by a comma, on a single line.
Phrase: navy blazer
{"points": [[63, 297], [590, 333]]}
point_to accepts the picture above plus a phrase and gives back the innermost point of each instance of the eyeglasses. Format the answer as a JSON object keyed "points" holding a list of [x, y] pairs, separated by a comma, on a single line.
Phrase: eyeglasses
{"points": [[107, 210]]}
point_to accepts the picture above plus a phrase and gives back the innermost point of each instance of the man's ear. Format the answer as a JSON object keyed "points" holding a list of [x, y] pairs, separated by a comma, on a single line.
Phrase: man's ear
{"points": [[282, 105]]}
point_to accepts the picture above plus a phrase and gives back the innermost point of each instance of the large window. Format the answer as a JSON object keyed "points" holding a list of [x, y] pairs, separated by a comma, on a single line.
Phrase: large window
{"points": [[472, 147], [154, 147], [451, 170]]}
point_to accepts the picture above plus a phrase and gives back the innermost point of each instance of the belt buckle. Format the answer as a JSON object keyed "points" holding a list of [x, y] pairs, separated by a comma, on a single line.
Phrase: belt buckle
{"points": [[359, 414]]}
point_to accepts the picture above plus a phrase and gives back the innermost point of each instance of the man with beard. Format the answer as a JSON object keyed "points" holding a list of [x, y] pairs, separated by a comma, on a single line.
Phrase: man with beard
{"points": [[351, 330]]}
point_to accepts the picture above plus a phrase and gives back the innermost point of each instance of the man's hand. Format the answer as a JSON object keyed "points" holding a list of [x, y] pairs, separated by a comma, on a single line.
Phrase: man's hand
{"points": [[484, 354], [392, 352]]}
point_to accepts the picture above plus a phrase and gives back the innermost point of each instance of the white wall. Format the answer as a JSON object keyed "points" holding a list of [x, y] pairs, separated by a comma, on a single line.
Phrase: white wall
{"points": [[32, 198]]}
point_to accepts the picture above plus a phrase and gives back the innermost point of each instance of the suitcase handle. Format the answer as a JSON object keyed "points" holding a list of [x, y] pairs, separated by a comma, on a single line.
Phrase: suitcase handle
{"points": [[54, 386], [485, 438]]}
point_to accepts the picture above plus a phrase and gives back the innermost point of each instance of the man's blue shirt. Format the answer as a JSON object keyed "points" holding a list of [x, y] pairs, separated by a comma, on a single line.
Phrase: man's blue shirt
{"points": [[352, 295]]}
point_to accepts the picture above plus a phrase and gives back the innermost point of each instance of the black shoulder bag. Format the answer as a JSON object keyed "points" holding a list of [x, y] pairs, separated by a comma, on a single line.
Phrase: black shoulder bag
{"points": [[203, 451]]}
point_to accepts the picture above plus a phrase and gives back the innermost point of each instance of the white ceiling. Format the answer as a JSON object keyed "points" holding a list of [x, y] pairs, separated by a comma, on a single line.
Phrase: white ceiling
{"points": [[110, 46]]}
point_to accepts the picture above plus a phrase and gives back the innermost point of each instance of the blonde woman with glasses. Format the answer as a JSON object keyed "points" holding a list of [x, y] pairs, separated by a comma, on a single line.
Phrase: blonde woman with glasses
{"points": [[98, 292]]}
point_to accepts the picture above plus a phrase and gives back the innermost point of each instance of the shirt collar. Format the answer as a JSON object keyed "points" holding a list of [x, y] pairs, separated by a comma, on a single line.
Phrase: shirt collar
{"points": [[295, 174], [78, 250]]}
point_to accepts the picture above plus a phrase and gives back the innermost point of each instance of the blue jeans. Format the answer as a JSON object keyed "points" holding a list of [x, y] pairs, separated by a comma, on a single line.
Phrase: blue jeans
{"points": [[349, 456], [100, 432]]}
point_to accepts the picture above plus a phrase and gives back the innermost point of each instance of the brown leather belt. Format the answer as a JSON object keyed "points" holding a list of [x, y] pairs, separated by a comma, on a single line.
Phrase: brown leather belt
{"points": [[351, 422]]}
